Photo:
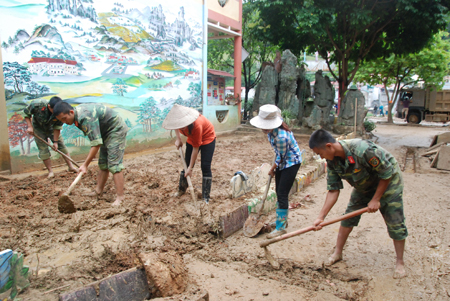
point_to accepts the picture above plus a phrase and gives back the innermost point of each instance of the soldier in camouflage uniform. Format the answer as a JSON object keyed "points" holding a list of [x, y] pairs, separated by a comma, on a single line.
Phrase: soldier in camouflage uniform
{"points": [[377, 181], [42, 123], [107, 133]]}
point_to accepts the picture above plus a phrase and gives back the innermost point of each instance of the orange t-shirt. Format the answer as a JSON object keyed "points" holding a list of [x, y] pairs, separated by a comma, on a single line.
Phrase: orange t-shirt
{"points": [[203, 132]]}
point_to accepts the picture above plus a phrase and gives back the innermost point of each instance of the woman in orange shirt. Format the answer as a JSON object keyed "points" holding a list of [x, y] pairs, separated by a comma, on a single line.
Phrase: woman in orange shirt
{"points": [[201, 137]]}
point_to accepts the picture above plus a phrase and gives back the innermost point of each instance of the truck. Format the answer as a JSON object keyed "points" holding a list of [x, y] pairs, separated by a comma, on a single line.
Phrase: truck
{"points": [[425, 104]]}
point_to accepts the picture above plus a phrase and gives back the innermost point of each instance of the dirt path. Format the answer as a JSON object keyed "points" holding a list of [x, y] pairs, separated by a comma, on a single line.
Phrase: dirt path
{"points": [[99, 240]]}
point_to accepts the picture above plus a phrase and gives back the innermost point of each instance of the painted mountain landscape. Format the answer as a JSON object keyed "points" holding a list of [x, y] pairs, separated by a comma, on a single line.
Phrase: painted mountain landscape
{"points": [[138, 57]]}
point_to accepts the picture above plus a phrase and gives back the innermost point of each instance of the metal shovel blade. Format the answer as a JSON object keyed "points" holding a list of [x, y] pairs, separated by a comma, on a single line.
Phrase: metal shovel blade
{"points": [[254, 224]]}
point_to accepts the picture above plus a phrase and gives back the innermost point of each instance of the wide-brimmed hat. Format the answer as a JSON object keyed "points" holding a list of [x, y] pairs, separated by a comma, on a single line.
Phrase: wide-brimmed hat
{"points": [[180, 117], [269, 117]]}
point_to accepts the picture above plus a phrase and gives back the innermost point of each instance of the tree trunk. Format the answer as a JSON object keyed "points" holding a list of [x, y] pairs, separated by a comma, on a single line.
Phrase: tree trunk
{"points": [[390, 104], [21, 146], [245, 103], [29, 145]]}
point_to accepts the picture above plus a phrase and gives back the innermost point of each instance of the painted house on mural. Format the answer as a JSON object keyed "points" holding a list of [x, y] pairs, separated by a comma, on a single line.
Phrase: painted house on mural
{"points": [[137, 57]]}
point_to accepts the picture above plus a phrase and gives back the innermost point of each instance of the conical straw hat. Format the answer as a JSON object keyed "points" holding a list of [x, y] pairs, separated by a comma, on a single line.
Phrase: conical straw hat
{"points": [[180, 117]]}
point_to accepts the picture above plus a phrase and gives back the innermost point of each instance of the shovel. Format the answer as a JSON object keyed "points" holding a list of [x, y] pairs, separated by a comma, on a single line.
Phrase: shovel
{"points": [[256, 221], [265, 243], [191, 188], [65, 204], [57, 150]]}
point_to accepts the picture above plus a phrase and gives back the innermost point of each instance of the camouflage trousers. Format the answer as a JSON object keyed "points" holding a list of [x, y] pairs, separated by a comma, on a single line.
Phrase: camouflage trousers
{"points": [[43, 148], [391, 208], [112, 151]]}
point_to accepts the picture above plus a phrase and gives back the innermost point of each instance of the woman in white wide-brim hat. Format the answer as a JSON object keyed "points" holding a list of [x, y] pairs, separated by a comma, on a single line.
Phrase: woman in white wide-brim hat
{"points": [[201, 137], [287, 162]]}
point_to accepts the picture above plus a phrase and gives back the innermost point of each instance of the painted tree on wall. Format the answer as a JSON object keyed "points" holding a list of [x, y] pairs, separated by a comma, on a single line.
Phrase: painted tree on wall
{"points": [[17, 128], [120, 87], [177, 83], [16, 75], [128, 123], [72, 135], [164, 113], [148, 111], [195, 89], [36, 90]]}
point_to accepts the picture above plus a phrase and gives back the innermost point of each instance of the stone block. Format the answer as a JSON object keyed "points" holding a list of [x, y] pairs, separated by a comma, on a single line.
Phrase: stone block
{"points": [[444, 158], [271, 203], [130, 285]]}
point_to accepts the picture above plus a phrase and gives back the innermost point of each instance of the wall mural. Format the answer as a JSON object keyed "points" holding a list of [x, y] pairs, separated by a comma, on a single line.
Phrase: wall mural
{"points": [[135, 56]]}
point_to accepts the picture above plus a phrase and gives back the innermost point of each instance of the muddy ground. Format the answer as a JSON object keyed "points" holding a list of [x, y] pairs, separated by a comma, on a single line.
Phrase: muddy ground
{"points": [[99, 240]]}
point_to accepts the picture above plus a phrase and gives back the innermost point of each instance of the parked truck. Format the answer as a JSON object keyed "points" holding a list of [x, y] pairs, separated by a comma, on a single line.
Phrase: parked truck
{"points": [[425, 104]]}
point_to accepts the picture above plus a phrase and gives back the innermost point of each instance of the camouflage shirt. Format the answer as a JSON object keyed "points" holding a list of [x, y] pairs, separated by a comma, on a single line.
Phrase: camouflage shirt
{"points": [[98, 121], [364, 165], [42, 117]]}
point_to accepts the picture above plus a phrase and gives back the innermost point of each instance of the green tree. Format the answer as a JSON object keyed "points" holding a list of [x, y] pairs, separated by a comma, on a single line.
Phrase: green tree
{"points": [[349, 32], [195, 89], [148, 111], [177, 83], [120, 87], [429, 66], [128, 123], [16, 75]]}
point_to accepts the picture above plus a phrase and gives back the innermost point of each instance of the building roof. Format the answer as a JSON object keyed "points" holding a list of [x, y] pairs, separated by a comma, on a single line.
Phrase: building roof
{"points": [[220, 73], [49, 60]]}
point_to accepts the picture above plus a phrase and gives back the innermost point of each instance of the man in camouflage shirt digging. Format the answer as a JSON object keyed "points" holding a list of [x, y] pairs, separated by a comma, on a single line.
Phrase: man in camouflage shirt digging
{"points": [[42, 122], [107, 133], [377, 181]]}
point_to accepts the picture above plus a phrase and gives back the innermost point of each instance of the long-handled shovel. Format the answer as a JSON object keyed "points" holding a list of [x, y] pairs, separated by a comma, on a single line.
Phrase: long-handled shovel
{"points": [[265, 243], [57, 150], [256, 221], [191, 187], [65, 204]]}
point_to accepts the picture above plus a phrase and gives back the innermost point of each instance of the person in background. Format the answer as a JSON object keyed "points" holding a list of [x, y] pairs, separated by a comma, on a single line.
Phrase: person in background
{"points": [[201, 137], [381, 110], [406, 101], [42, 122], [287, 162]]}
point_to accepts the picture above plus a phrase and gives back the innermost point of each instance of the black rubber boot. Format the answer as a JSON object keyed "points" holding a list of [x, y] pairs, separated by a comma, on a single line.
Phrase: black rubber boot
{"points": [[206, 188], [182, 185]]}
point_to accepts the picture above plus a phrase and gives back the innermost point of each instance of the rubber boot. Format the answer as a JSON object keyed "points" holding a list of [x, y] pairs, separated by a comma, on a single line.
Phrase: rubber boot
{"points": [[282, 216], [206, 188], [182, 185]]}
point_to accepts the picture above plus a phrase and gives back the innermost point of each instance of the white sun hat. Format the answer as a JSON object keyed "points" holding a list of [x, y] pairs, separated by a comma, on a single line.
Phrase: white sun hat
{"points": [[180, 117], [269, 117]]}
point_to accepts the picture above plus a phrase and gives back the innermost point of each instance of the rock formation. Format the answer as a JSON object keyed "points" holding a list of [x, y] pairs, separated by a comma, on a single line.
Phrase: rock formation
{"points": [[346, 119], [323, 102], [288, 83]]}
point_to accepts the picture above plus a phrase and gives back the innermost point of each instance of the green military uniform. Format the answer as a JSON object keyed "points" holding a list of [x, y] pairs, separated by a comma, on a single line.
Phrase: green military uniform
{"points": [[104, 127], [44, 123], [364, 165]]}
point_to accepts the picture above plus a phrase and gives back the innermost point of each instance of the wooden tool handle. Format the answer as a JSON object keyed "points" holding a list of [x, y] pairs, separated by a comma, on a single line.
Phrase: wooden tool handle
{"points": [[72, 186], [310, 228], [57, 150], [267, 188], [191, 188]]}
